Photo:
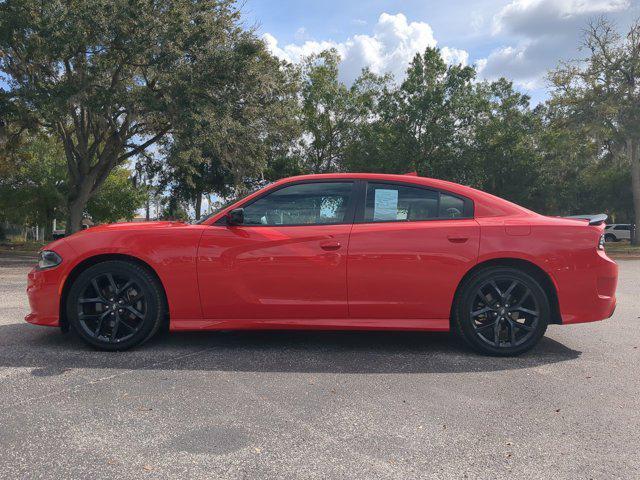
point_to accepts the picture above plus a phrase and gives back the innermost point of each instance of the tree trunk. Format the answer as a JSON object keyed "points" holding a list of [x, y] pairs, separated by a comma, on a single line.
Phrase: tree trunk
{"points": [[76, 205], [198, 206], [48, 226], [632, 151]]}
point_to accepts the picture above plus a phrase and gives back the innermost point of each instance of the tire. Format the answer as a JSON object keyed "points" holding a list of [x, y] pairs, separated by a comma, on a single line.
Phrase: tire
{"points": [[609, 237], [115, 305], [496, 318]]}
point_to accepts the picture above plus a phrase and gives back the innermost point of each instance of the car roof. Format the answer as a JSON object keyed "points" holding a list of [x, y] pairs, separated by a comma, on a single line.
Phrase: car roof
{"points": [[485, 204]]}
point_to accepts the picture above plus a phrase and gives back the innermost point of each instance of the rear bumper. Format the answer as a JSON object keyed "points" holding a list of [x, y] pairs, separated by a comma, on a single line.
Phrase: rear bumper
{"points": [[587, 292]]}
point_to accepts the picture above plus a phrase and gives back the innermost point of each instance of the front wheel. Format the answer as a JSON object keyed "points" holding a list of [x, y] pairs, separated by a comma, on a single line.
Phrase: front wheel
{"points": [[501, 311], [115, 305]]}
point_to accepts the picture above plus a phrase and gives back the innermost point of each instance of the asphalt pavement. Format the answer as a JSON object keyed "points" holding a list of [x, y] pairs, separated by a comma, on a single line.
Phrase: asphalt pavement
{"points": [[319, 405]]}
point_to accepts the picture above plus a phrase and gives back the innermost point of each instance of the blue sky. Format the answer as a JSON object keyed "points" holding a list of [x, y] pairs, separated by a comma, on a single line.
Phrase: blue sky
{"points": [[519, 39]]}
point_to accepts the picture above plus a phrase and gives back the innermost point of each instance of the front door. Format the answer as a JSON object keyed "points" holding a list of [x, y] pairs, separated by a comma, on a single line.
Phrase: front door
{"points": [[286, 262]]}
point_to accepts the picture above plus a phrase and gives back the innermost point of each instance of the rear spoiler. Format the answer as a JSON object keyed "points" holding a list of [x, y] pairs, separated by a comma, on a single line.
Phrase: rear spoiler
{"points": [[597, 219]]}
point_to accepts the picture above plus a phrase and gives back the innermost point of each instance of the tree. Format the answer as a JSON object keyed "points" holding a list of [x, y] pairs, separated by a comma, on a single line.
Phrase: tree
{"points": [[119, 198], [253, 126], [32, 189], [111, 78], [503, 155], [326, 113], [601, 95]]}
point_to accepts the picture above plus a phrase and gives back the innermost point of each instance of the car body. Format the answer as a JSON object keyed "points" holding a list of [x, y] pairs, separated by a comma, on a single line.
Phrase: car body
{"points": [[393, 256], [615, 232]]}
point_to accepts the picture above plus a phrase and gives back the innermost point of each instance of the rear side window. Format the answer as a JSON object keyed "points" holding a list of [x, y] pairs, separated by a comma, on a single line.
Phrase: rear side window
{"points": [[397, 203], [450, 206], [623, 227]]}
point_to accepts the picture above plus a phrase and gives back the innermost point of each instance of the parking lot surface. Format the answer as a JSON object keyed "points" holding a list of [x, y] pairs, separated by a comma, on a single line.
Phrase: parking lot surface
{"points": [[319, 405]]}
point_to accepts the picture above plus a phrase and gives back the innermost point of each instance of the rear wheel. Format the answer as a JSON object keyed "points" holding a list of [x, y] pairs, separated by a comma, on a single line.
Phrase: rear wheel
{"points": [[115, 305], [610, 237], [501, 311]]}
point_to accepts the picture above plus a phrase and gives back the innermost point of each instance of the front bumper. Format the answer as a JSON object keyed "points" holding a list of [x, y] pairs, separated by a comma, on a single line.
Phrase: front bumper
{"points": [[44, 287], [44, 298]]}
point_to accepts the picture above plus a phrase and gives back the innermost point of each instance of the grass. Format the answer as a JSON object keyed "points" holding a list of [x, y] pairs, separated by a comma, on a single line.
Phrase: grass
{"points": [[623, 248], [20, 247]]}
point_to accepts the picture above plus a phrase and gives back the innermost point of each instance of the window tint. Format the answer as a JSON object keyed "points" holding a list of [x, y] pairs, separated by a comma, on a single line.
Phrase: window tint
{"points": [[302, 204], [388, 203], [623, 227], [450, 206]]}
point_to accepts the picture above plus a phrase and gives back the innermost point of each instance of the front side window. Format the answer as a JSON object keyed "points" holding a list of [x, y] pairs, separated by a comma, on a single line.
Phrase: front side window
{"points": [[396, 203], [301, 204]]}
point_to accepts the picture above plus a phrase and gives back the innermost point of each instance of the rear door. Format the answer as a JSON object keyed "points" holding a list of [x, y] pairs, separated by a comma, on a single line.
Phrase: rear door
{"points": [[409, 248]]}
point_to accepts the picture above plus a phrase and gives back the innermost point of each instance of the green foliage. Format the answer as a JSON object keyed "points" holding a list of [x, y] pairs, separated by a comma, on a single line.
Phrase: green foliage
{"points": [[31, 190], [111, 78], [207, 112], [599, 99], [118, 199]]}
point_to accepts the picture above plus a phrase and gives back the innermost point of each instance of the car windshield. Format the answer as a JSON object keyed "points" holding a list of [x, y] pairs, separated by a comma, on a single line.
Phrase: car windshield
{"points": [[225, 205]]}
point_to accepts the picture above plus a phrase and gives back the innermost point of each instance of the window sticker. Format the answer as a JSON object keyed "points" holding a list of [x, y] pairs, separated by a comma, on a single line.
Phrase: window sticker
{"points": [[386, 205]]}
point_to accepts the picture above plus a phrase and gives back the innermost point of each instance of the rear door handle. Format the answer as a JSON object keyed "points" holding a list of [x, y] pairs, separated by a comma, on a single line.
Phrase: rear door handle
{"points": [[330, 246], [457, 239]]}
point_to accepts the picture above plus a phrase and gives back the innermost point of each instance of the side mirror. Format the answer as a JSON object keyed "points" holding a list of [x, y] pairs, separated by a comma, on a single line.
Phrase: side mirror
{"points": [[235, 216]]}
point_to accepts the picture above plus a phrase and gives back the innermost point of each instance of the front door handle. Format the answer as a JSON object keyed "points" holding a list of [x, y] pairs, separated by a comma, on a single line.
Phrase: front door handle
{"points": [[457, 239], [330, 246]]}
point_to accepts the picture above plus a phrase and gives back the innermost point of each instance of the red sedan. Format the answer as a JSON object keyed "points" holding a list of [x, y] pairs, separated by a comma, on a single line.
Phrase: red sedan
{"points": [[328, 252]]}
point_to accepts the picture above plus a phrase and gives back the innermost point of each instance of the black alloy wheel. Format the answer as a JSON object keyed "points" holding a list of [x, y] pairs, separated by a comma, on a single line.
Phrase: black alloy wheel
{"points": [[115, 305], [502, 311]]}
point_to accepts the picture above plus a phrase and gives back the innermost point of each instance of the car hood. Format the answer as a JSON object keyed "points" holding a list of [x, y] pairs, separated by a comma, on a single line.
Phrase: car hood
{"points": [[131, 226]]}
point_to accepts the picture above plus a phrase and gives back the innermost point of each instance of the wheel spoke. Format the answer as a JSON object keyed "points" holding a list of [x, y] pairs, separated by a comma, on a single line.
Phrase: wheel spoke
{"points": [[512, 334], [130, 327], [137, 313], [524, 297], [496, 333], [507, 293], [124, 288], [114, 329], [112, 284], [94, 283], [526, 310], [485, 326], [522, 326], [93, 300], [99, 323], [495, 287], [481, 311]]}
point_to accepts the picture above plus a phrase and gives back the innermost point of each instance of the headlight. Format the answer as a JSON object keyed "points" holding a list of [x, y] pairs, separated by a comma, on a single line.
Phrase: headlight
{"points": [[601, 243], [48, 259]]}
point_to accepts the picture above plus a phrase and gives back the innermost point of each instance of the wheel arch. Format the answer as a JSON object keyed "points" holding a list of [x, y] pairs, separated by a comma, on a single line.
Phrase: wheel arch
{"points": [[527, 266], [94, 260]]}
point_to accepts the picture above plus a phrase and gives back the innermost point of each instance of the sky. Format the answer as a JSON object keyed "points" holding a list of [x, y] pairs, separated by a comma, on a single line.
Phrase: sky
{"points": [[518, 39]]}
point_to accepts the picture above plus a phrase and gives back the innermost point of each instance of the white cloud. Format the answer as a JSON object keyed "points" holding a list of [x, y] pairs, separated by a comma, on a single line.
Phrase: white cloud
{"points": [[390, 48], [548, 16], [540, 33]]}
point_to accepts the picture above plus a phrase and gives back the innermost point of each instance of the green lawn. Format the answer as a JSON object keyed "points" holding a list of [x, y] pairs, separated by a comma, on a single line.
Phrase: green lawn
{"points": [[27, 247], [622, 248]]}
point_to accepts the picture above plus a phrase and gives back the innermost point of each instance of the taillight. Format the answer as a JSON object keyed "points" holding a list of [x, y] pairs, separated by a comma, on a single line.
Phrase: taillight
{"points": [[601, 242]]}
